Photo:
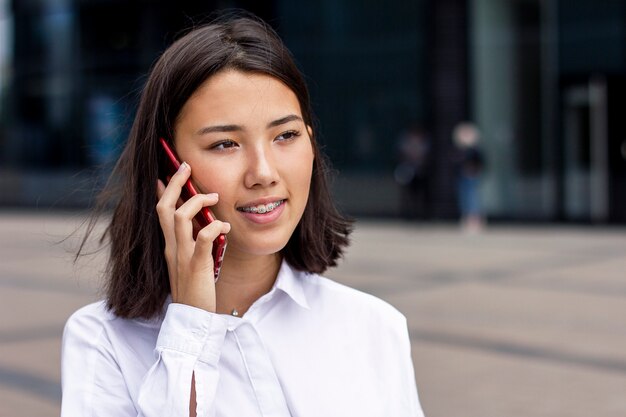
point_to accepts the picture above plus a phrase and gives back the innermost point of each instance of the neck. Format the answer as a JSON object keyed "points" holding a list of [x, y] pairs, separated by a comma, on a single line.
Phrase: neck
{"points": [[244, 279]]}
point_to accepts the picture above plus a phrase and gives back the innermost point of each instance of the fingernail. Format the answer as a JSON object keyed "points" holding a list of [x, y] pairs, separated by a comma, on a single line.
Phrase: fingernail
{"points": [[213, 195], [183, 166]]}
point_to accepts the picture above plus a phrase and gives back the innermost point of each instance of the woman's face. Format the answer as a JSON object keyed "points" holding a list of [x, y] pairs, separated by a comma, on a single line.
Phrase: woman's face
{"points": [[244, 137]]}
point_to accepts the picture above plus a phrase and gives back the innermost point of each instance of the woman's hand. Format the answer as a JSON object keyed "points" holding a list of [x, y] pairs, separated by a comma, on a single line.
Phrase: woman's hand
{"points": [[189, 261]]}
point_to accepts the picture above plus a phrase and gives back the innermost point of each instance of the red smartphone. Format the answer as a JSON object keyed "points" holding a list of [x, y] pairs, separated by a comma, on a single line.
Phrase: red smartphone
{"points": [[167, 168]]}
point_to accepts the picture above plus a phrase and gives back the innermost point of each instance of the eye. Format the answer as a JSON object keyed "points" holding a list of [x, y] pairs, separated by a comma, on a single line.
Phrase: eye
{"points": [[225, 144], [287, 136]]}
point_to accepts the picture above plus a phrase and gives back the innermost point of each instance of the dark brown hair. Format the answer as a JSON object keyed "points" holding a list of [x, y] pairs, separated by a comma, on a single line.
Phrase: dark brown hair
{"points": [[137, 277]]}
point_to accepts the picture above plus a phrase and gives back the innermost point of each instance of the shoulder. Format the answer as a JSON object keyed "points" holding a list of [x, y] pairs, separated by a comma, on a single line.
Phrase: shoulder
{"points": [[95, 323], [87, 324], [326, 294], [93, 316], [85, 337], [97, 315], [354, 319]]}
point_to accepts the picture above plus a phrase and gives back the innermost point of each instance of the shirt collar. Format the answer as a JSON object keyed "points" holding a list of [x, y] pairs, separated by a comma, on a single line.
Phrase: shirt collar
{"points": [[291, 283]]}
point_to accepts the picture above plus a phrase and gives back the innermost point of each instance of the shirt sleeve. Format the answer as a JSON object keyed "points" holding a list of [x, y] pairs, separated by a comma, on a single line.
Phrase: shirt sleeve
{"points": [[412, 397], [189, 344]]}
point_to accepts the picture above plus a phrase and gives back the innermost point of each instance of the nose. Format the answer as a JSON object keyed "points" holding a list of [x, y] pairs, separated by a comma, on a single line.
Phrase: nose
{"points": [[261, 170]]}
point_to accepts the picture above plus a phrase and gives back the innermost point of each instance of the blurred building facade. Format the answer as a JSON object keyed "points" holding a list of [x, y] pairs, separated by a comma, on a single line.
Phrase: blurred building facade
{"points": [[542, 79]]}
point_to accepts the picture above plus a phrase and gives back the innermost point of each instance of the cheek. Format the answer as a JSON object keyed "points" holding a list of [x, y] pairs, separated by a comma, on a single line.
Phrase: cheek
{"points": [[302, 169], [298, 158], [298, 174], [220, 180]]}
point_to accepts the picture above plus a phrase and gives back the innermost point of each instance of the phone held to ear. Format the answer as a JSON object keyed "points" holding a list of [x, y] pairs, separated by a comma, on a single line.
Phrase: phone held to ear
{"points": [[166, 170]]}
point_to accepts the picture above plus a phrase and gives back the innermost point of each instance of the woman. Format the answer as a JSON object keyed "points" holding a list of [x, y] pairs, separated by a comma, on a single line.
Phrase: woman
{"points": [[271, 336]]}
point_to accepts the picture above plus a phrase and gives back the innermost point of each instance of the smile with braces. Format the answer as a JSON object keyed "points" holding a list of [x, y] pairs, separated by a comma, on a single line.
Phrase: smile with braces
{"points": [[262, 208]]}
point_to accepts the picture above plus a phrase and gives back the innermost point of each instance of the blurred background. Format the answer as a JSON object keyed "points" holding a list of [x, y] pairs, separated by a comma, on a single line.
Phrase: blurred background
{"points": [[541, 79], [523, 319]]}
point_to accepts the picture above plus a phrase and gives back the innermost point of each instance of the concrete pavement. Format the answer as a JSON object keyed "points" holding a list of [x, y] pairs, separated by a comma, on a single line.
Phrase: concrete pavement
{"points": [[517, 321]]}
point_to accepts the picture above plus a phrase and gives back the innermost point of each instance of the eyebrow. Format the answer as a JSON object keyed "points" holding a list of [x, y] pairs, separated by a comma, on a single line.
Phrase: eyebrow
{"points": [[237, 128], [284, 120], [219, 129]]}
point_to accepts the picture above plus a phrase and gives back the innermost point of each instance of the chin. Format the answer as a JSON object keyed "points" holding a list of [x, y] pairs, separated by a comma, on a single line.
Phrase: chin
{"points": [[259, 247]]}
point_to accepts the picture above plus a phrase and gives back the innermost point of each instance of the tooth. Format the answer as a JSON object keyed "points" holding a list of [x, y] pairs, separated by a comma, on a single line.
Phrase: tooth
{"points": [[262, 208]]}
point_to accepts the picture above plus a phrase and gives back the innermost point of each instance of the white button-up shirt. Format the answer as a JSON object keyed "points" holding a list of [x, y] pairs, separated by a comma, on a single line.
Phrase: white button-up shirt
{"points": [[308, 348]]}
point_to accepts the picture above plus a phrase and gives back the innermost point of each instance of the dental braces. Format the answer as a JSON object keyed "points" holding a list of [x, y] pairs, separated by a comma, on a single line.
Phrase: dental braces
{"points": [[262, 209]]}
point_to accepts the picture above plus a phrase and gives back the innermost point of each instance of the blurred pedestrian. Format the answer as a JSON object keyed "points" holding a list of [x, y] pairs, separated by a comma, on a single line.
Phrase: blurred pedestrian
{"points": [[412, 173], [469, 165], [271, 336]]}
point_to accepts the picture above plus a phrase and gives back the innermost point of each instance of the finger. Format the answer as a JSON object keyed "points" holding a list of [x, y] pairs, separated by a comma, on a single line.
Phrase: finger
{"points": [[204, 244], [172, 191], [166, 216], [210, 232], [169, 198], [183, 220], [189, 209], [160, 189]]}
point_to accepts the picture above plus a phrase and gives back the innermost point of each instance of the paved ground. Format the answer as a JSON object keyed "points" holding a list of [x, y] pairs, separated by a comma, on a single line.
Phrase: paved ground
{"points": [[512, 322]]}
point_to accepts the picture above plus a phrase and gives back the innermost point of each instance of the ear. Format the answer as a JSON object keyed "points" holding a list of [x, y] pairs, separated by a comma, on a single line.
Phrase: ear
{"points": [[310, 130]]}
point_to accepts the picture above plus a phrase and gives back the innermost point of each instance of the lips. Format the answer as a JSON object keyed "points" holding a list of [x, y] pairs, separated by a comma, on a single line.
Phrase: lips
{"points": [[263, 212], [261, 208]]}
